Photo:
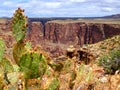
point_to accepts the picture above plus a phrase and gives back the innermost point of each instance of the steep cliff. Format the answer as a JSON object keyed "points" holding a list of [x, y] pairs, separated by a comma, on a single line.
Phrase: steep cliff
{"points": [[78, 33], [35, 33], [56, 36]]}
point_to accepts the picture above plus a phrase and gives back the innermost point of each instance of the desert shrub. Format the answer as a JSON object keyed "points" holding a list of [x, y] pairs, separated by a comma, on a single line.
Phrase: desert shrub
{"points": [[111, 62]]}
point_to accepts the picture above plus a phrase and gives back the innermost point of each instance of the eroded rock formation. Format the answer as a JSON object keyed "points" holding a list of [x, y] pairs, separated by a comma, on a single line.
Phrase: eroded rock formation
{"points": [[79, 33], [35, 33], [55, 37]]}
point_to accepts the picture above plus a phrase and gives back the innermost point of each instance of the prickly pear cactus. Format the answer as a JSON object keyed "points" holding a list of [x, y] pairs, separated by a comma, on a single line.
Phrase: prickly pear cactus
{"points": [[54, 84], [28, 45], [19, 24], [67, 75], [1, 81], [5, 68], [49, 81], [6, 65], [33, 64], [2, 48], [18, 50]]}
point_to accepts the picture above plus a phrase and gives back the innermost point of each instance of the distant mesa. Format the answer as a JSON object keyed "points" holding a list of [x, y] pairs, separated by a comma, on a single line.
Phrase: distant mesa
{"points": [[112, 16]]}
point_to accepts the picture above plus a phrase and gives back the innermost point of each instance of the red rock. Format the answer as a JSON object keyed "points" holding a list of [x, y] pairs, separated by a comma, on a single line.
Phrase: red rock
{"points": [[78, 33], [35, 34], [56, 36]]}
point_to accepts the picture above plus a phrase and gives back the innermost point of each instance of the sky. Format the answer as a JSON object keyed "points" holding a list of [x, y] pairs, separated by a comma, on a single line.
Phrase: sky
{"points": [[61, 8]]}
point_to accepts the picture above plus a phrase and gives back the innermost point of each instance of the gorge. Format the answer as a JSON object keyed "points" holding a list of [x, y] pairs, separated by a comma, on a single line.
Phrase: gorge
{"points": [[56, 35]]}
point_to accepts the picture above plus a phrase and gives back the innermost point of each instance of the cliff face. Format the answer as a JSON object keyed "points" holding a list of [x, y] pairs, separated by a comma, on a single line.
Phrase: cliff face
{"points": [[55, 37], [35, 33], [79, 33]]}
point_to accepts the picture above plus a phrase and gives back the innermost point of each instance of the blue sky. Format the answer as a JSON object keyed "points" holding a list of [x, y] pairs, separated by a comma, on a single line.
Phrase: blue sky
{"points": [[61, 8]]}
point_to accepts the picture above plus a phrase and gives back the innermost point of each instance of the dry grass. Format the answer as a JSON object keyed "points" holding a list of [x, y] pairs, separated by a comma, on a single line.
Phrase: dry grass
{"points": [[3, 20]]}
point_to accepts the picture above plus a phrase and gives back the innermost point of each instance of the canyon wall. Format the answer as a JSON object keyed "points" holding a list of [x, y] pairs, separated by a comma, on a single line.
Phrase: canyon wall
{"points": [[77, 33], [35, 33], [74, 33], [55, 37], [80, 33]]}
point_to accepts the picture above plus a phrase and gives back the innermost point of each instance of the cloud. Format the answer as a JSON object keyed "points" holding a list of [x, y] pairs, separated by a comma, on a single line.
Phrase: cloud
{"points": [[77, 0], [52, 4], [107, 9], [112, 1], [53, 8]]}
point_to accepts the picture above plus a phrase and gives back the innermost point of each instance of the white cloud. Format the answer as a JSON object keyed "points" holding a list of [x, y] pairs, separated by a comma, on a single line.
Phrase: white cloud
{"points": [[107, 9], [61, 7], [112, 1], [52, 4], [78, 0]]}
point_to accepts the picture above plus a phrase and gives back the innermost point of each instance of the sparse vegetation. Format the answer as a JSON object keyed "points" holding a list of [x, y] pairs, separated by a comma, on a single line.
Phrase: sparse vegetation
{"points": [[111, 62]]}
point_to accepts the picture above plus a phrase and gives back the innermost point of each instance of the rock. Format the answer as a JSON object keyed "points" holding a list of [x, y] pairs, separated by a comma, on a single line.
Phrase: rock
{"points": [[71, 51], [78, 32], [103, 80], [35, 33], [85, 55], [115, 82]]}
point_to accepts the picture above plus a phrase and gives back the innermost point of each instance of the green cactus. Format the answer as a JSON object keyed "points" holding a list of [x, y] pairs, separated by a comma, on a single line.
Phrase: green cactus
{"points": [[21, 48], [19, 25], [33, 64], [1, 81], [54, 84], [7, 65], [5, 68], [18, 50], [2, 48], [49, 81], [19, 28], [28, 45]]}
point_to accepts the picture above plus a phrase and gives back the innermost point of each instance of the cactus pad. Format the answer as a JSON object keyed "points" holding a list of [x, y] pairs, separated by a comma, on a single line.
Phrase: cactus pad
{"points": [[2, 48], [19, 25], [33, 64]]}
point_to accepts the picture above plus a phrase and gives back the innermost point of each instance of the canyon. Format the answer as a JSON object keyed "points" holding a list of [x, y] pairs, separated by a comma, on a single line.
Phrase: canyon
{"points": [[56, 35]]}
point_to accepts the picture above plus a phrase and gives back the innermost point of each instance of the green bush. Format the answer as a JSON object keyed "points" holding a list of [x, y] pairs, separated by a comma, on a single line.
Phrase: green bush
{"points": [[111, 62]]}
